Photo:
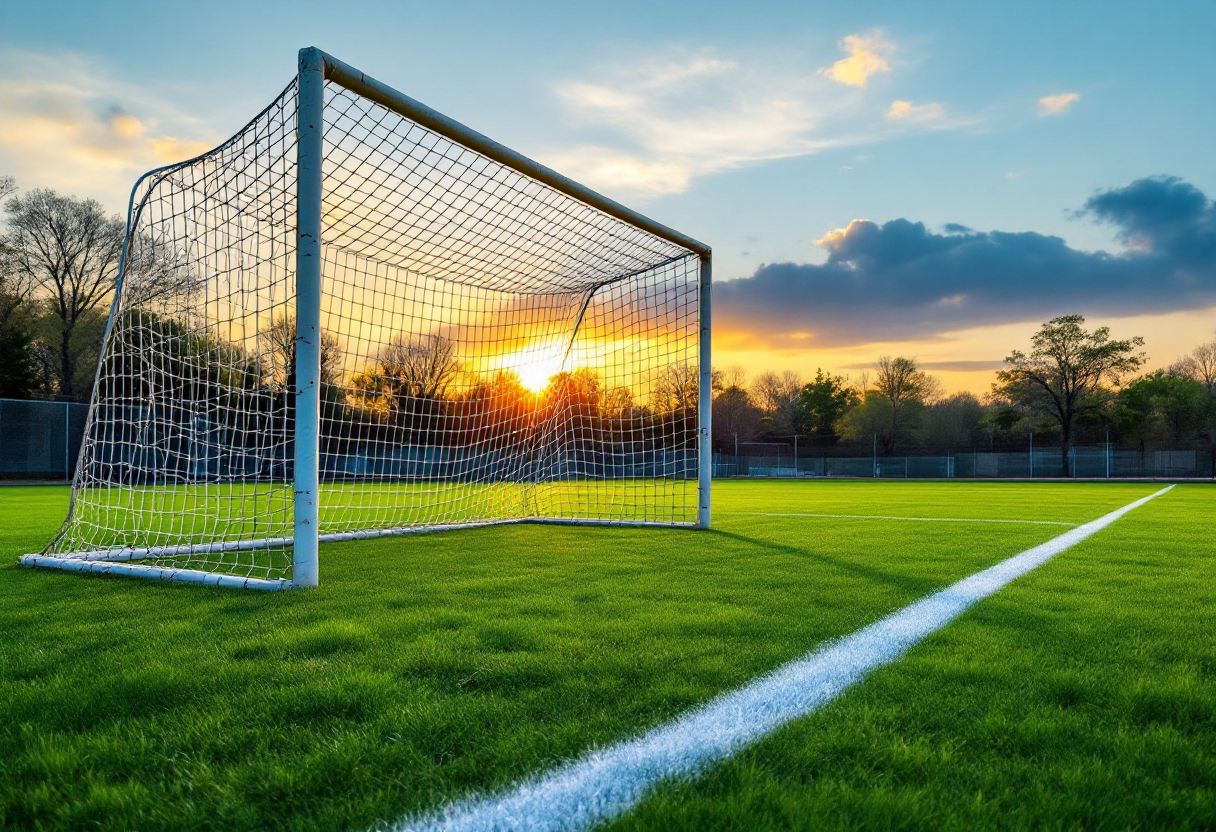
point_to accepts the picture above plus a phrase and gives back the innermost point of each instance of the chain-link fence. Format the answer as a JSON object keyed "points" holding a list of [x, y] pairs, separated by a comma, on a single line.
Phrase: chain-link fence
{"points": [[1087, 462], [40, 440]]}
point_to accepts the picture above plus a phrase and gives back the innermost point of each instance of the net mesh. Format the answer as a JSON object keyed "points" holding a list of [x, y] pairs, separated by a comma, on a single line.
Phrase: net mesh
{"points": [[492, 350]]}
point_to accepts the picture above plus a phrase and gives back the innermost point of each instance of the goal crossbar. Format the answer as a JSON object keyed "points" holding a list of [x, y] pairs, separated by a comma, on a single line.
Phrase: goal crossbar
{"points": [[305, 126]]}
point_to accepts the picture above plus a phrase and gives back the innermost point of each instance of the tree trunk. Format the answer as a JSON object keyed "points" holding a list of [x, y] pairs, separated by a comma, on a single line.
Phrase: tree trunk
{"points": [[65, 363], [1065, 446]]}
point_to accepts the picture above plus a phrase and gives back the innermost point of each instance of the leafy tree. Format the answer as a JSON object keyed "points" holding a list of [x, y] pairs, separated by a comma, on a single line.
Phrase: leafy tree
{"points": [[1162, 405], [871, 417], [18, 366], [18, 370], [954, 421], [821, 404], [1065, 373]]}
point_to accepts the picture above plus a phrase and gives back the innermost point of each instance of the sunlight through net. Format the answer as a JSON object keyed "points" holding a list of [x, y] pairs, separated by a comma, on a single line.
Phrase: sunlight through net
{"points": [[492, 350]]}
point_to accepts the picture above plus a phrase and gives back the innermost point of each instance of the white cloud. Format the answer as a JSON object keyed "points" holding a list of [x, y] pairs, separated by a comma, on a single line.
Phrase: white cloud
{"points": [[65, 124], [657, 125], [1053, 105], [677, 119], [867, 56], [907, 111], [603, 166]]}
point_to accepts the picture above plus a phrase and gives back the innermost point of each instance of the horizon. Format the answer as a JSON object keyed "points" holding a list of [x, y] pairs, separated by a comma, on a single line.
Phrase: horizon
{"points": [[873, 183]]}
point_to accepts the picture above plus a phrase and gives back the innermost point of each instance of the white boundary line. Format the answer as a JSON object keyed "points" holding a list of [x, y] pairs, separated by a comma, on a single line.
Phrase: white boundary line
{"points": [[893, 517], [606, 782]]}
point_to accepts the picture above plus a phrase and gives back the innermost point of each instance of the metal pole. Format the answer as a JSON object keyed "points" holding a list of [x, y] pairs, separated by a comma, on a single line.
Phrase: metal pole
{"points": [[875, 470], [309, 155], [1032, 453], [1108, 454], [67, 440], [795, 456], [705, 400]]}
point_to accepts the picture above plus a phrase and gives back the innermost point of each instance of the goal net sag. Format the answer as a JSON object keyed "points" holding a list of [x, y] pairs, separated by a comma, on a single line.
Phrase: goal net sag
{"points": [[358, 318]]}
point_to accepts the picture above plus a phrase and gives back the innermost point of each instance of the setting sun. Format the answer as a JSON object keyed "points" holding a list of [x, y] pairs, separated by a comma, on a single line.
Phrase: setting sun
{"points": [[536, 364]]}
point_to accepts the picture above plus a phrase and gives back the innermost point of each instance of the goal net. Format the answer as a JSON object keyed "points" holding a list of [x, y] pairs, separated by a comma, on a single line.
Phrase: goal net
{"points": [[357, 318]]}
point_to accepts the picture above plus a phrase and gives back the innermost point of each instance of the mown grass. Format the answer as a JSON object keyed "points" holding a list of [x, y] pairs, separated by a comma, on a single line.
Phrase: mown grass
{"points": [[423, 669], [1083, 696]]}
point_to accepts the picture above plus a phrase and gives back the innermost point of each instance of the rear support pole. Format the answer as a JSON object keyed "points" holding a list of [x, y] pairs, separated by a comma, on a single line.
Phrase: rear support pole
{"points": [[309, 149], [705, 401]]}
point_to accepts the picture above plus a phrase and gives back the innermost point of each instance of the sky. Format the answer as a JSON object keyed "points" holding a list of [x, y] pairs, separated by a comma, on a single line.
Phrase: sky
{"points": [[923, 179]]}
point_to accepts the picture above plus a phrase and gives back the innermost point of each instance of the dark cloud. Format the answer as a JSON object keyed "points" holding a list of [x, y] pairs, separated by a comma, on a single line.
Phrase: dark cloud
{"points": [[940, 366], [900, 281]]}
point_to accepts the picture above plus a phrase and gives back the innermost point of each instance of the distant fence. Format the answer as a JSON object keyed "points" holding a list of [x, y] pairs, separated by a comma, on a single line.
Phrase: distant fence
{"points": [[40, 440], [1100, 461]]}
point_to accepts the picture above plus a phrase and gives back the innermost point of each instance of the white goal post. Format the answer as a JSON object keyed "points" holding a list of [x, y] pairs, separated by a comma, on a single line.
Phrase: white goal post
{"points": [[359, 318]]}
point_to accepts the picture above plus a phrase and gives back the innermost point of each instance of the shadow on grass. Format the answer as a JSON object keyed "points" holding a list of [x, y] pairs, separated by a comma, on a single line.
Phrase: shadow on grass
{"points": [[892, 579]]}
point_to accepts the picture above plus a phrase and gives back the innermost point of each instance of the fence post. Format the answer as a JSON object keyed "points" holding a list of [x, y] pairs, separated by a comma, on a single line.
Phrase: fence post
{"points": [[1032, 453], [67, 440]]}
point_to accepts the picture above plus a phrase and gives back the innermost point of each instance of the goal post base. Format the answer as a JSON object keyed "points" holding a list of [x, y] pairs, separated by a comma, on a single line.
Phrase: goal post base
{"points": [[160, 573], [119, 561]]}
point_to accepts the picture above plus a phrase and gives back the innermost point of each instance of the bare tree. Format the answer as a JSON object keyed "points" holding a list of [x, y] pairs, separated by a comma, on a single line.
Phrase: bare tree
{"points": [[777, 395], [905, 388], [277, 348], [734, 415], [420, 366], [15, 286], [734, 412], [724, 378], [1199, 366], [675, 390], [1064, 374], [67, 251], [157, 274]]}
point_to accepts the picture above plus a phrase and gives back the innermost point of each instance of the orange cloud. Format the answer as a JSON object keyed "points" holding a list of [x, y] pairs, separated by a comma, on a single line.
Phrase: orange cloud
{"points": [[867, 56]]}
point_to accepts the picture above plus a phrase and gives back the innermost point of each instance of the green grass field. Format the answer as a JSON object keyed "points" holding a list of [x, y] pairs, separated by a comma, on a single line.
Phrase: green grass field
{"points": [[169, 516], [428, 668]]}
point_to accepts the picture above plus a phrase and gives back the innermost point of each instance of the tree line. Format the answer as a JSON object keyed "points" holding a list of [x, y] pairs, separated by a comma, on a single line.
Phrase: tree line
{"points": [[59, 258], [1074, 386]]}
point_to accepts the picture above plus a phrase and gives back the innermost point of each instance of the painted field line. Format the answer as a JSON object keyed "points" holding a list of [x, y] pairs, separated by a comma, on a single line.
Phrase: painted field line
{"points": [[917, 519], [608, 781]]}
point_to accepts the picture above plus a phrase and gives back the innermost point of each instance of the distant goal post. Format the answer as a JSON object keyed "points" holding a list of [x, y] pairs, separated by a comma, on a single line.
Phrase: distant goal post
{"points": [[359, 318]]}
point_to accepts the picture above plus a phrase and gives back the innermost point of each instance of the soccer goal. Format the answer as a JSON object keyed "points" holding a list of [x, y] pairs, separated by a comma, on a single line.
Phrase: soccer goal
{"points": [[358, 318]]}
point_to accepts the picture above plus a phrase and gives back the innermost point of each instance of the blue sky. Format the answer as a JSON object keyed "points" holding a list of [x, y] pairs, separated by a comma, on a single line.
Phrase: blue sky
{"points": [[764, 129]]}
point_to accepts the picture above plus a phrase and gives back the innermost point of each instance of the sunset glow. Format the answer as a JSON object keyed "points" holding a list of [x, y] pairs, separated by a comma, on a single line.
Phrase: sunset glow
{"points": [[536, 364]]}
